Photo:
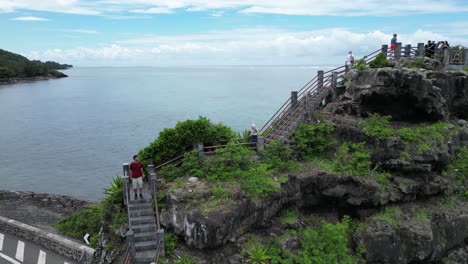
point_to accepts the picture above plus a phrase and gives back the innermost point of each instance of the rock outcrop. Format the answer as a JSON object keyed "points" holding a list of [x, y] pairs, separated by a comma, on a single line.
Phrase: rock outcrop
{"points": [[407, 94]]}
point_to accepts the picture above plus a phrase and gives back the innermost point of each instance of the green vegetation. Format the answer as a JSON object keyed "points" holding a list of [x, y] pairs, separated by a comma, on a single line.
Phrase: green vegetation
{"points": [[326, 243], [170, 242], [110, 210], [377, 126], [185, 260], [379, 62], [465, 69], [350, 159], [172, 142], [258, 254], [278, 156], [416, 63], [288, 217], [423, 136], [219, 192], [390, 215], [313, 140], [422, 215], [16, 66], [360, 64], [459, 167]]}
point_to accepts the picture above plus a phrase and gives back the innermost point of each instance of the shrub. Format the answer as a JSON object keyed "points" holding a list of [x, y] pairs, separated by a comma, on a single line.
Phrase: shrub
{"points": [[360, 64], [85, 221], [219, 192], [422, 216], [379, 62], [258, 254], [170, 242], [416, 63], [174, 141], [277, 156], [424, 135], [350, 159], [326, 244], [109, 211], [257, 181], [459, 166], [313, 140], [377, 126], [390, 215], [465, 69], [288, 216]]}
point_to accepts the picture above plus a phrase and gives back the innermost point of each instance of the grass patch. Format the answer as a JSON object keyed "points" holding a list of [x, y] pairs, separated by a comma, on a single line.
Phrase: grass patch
{"points": [[390, 215], [459, 167], [377, 126], [416, 63], [424, 136], [288, 217], [170, 242], [422, 216]]}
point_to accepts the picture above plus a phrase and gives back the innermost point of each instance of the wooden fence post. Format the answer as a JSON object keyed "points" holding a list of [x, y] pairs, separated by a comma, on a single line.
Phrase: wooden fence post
{"points": [[385, 50], [397, 50], [319, 80], [408, 51], [334, 84], [421, 51], [293, 98]]}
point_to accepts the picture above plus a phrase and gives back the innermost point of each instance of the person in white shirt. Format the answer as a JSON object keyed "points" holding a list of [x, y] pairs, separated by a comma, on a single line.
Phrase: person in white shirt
{"points": [[350, 59]]}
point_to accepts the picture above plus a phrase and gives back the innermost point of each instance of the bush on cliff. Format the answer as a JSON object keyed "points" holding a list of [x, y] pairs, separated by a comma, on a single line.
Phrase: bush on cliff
{"points": [[326, 243], [379, 62], [377, 126], [110, 210], [313, 140], [175, 141]]}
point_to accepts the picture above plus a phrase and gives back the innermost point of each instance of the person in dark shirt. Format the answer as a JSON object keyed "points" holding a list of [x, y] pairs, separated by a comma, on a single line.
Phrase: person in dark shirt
{"points": [[136, 174], [253, 133], [393, 42], [427, 51]]}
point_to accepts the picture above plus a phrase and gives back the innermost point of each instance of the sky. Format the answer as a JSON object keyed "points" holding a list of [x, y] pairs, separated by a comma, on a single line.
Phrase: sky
{"points": [[189, 33]]}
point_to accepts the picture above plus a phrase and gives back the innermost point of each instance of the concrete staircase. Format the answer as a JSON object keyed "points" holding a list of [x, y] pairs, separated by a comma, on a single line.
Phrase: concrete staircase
{"points": [[293, 116], [144, 227]]}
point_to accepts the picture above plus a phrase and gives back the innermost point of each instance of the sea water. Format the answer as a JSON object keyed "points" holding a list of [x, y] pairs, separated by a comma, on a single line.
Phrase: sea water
{"points": [[70, 136]]}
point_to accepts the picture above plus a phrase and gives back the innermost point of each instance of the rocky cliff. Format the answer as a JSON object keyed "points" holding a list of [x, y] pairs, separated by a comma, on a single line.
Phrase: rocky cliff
{"points": [[414, 210]]}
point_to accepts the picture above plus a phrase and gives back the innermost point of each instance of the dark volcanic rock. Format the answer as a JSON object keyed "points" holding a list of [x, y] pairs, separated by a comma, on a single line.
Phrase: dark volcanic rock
{"points": [[415, 241], [406, 94]]}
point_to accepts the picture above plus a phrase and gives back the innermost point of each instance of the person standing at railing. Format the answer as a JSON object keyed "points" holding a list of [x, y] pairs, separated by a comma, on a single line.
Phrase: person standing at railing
{"points": [[350, 59], [136, 174], [393, 42], [253, 133]]}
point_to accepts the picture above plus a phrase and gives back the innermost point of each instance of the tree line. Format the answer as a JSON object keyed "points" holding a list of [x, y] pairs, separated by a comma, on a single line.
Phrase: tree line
{"points": [[13, 65]]}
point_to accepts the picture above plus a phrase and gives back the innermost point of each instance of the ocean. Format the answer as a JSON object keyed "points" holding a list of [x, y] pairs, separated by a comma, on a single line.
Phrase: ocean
{"points": [[70, 136]]}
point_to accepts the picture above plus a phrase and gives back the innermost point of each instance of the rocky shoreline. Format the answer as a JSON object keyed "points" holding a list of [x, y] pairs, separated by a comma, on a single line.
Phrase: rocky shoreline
{"points": [[38, 209], [31, 79]]}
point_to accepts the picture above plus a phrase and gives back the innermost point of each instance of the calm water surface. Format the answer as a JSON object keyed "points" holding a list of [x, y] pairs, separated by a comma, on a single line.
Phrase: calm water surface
{"points": [[70, 136]]}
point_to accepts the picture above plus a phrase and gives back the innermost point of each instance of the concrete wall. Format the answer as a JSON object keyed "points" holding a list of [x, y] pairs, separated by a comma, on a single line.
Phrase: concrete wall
{"points": [[460, 67], [60, 245]]}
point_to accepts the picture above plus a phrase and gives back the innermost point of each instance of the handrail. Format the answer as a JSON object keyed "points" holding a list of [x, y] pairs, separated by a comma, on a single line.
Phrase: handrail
{"points": [[170, 161], [158, 253], [127, 256]]}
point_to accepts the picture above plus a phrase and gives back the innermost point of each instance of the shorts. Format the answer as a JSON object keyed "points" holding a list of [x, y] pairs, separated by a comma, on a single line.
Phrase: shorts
{"points": [[392, 46], [137, 182]]}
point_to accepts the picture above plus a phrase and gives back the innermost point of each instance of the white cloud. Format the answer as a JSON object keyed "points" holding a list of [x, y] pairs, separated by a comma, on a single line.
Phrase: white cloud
{"points": [[290, 7], [29, 18], [257, 46], [153, 10]]}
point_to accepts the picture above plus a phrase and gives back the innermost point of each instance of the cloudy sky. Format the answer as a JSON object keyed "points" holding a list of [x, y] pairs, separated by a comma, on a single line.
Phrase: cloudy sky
{"points": [[221, 32]]}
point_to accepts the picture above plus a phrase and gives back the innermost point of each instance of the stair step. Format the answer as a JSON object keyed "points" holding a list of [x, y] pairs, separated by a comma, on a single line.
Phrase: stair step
{"points": [[142, 212], [144, 228], [139, 220], [139, 206], [146, 245], [145, 236], [145, 257], [139, 201]]}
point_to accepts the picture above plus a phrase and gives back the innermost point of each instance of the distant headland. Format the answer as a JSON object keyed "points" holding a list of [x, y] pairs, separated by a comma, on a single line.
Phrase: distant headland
{"points": [[17, 68]]}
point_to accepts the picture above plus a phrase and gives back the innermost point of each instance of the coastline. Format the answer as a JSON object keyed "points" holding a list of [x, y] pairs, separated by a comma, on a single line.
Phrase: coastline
{"points": [[41, 210], [30, 79]]}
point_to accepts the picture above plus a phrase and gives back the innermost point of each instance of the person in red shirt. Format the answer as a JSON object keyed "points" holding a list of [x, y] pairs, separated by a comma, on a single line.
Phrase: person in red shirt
{"points": [[137, 174]]}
